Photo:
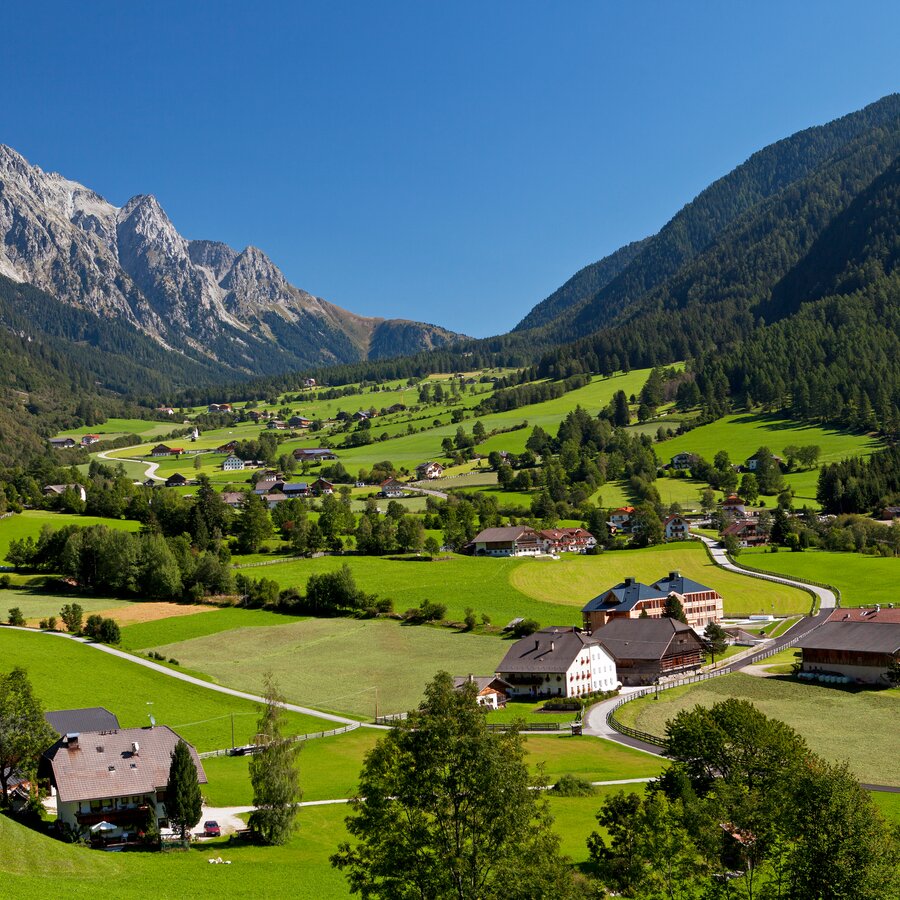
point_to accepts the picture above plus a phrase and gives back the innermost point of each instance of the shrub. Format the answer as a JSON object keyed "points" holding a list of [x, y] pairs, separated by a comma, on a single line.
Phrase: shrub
{"points": [[573, 786], [16, 617], [470, 619], [5, 581], [92, 626], [51, 623], [173, 661], [525, 627], [44, 625], [109, 631]]}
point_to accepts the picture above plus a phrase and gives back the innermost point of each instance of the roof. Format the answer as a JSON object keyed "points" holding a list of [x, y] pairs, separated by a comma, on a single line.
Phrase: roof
{"points": [[480, 681], [294, 487], [623, 596], [103, 764], [233, 496], [548, 650], [623, 509], [91, 718], [676, 582], [876, 614], [504, 534], [864, 637], [643, 638], [733, 500]]}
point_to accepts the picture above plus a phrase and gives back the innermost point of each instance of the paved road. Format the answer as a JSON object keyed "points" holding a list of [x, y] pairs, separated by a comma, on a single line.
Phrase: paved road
{"points": [[181, 676], [151, 467]]}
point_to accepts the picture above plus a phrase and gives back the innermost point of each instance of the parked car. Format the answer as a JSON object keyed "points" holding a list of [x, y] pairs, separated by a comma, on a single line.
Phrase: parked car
{"points": [[211, 829]]}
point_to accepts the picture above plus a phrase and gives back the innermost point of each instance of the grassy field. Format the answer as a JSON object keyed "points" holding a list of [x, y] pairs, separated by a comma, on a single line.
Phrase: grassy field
{"points": [[68, 675], [30, 522], [577, 579], [113, 428], [36, 605], [862, 580], [340, 664], [857, 725]]}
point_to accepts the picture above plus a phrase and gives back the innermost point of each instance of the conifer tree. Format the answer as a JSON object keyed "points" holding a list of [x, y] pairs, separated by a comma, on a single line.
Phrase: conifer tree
{"points": [[184, 805]]}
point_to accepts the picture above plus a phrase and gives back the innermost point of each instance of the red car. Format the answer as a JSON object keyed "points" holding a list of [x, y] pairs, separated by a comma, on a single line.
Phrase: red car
{"points": [[211, 829]]}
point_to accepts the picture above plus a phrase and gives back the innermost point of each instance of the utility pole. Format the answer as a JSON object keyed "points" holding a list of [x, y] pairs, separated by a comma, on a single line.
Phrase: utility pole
{"points": [[376, 702], [232, 731]]}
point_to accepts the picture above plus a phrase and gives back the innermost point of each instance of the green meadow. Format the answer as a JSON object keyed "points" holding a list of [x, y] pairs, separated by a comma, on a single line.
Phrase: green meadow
{"points": [[113, 428], [68, 675], [862, 580], [857, 725], [36, 605], [30, 522]]}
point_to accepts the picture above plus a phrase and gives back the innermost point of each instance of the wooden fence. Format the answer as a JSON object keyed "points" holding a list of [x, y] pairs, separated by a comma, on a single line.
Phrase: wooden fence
{"points": [[249, 749]]}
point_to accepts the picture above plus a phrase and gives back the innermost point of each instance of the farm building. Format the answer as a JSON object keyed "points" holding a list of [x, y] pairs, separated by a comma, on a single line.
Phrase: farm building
{"points": [[89, 439], [117, 776], [163, 450], [746, 532], [57, 490], [646, 650], [567, 540], [630, 599], [62, 443], [859, 644], [390, 487], [320, 486], [677, 528], [491, 691], [176, 480], [620, 520], [233, 464], [313, 454], [429, 470], [511, 540], [558, 662]]}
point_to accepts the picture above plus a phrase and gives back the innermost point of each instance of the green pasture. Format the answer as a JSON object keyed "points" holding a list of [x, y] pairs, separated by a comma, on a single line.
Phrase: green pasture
{"points": [[67, 675], [862, 580], [591, 758], [113, 428], [36, 605], [528, 712], [350, 665], [858, 725], [576, 579], [30, 522]]}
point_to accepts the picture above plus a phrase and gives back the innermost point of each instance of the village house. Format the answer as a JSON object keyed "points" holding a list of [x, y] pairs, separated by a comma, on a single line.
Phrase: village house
{"points": [[309, 382], [115, 775], [266, 485], [510, 540], [676, 528], [163, 450], [165, 410], [320, 486], [567, 540], [227, 448], [751, 464], [891, 512], [558, 662], [296, 488], [630, 599], [856, 644], [176, 480], [396, 407], [89, 439], [254, 416], [62, 443], [234, 499], [274, 498], [646, 650], [299, 422], [90, 718], [620, 520], [276, 425], [491, 691], [390, 487], [219, 408], [683, 460], [733, 507], [313, 454], [746, 532], [57, 490], [429, 470], [233, 464]]}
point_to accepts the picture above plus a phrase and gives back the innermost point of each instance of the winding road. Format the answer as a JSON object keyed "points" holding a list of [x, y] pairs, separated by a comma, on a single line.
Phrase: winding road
{"points": [[151, 467]]}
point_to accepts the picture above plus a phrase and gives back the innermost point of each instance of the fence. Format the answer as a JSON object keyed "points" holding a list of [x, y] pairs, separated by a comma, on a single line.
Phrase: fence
{"points": [[756, 572], [390, 719], [249, 749], [528, 726]]}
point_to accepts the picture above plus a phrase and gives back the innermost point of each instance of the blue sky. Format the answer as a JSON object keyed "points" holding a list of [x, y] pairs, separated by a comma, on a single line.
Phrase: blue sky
{"points": [[447, 162]]}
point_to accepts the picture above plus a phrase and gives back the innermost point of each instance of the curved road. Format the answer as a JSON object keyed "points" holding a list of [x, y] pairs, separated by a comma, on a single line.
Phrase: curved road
{"points": [[151, 467]]}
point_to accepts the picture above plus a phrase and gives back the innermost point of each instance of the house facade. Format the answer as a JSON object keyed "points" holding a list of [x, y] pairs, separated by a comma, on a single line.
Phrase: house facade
{"points": [[429, 470], [390, 487], [320, 486], [57, 490], [567, 540], [677, 528], [164, 450], [746, 532], [233, 464], [683, 460], [62, 443], [734, 507], [511, 540], [857, 644], [558, 662], [646, 650], [630, 599], [313, 454], [117, 776], [89, 439], [176, 480], [620, 520], [491, 691]]}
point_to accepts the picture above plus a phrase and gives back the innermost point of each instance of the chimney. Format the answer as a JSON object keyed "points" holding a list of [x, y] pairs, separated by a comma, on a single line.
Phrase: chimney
{"points": [[72, 740], [629, 580], [135, 748], [674, 575], [537, 643], [552, 646]]}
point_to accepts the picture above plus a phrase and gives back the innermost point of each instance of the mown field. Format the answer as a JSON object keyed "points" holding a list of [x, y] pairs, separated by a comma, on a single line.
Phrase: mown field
{"points": [[858, 725], [113, 428], [347, 665], [862, 580], [30, 522], [36, 605], [68, 675]]}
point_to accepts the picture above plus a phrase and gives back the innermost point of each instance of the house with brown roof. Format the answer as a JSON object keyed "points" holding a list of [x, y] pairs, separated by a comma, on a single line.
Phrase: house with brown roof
{"points": [[299, 422], [62, 443], [390, 487], [746, 532], [57, 490], [558, 662], [89, 439], [676, 528], [510, 540], [320, 486], [490, 690], [117, 776], [734, 507], [646, 650], [620, 520], [567, 540], [313, 454], [429, 470], [855, 644], [176, 480], [165, 450]]}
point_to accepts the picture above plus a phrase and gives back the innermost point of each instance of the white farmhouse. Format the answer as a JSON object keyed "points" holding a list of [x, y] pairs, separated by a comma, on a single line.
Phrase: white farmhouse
{"points": [[233, 464]]}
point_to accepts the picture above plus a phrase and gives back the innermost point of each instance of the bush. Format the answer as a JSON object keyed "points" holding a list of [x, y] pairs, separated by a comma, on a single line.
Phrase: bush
{"points": [[109, 631], [525, 627], [5, 581], [43, 625], [173, 661], [428, 611], [470, 619], [51, 623], [16, 617], [573, 786]]}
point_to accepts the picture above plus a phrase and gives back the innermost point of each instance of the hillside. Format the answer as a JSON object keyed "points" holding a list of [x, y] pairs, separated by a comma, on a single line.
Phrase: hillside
{"points": [[204, 299]]}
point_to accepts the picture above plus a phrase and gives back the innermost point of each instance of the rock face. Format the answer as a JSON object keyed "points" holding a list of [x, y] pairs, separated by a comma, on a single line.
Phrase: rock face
{"points": [[201, 298]]}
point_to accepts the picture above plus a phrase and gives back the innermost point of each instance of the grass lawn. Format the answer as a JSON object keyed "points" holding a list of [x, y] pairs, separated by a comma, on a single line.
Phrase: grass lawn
{"points": [[594, 759], [529, 712], [862, 580], [36, 605], [34, 867], [69, 675], [183, 628], [30, 522], [576, 579], [859, 725], [112, 428], [340, 664]]}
